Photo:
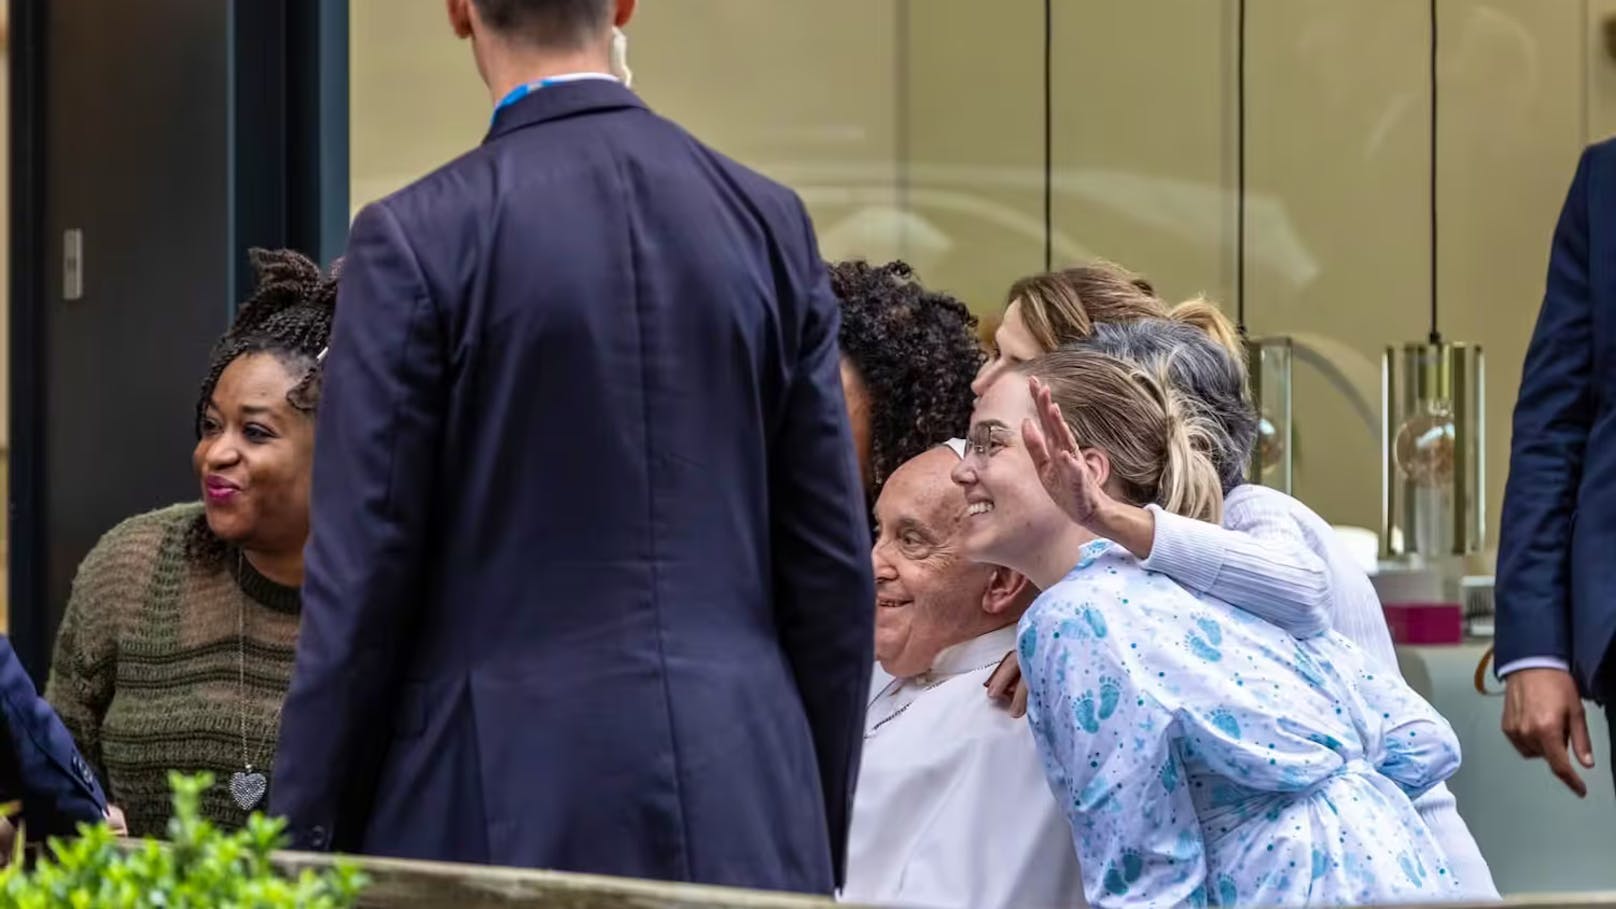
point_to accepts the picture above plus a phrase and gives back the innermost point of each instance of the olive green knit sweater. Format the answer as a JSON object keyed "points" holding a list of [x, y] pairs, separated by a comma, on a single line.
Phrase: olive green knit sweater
{"points": [[147, 672]]}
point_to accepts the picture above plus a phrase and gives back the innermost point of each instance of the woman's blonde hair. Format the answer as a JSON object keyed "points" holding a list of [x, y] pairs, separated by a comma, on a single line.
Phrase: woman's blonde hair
{"points": [[1160, 448], [1061, 307], [1205, 315]]}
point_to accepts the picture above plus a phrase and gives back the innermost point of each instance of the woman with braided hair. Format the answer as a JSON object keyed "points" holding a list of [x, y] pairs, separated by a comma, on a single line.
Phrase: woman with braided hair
{"points": [[176, 648], [908, 357]]}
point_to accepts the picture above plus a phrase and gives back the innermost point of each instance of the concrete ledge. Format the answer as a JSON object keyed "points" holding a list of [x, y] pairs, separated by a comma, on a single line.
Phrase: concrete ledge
{"points": [[408, 884], [405, 883]]}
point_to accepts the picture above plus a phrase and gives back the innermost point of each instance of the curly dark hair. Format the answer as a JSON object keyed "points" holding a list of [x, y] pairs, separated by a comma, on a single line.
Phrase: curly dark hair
{"points": [[288, 317], [916, 351]]}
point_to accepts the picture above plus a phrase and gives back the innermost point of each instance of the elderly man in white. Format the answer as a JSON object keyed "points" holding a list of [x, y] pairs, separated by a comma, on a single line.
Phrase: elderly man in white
{"points": [[952, 809]]}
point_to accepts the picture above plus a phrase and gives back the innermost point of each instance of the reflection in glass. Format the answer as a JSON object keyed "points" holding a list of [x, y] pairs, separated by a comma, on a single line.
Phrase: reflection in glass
{"points": [[1270, 362]]}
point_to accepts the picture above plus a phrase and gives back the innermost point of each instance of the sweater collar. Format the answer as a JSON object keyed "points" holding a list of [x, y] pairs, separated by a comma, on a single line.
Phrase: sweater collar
{"points": [[262, 590]]}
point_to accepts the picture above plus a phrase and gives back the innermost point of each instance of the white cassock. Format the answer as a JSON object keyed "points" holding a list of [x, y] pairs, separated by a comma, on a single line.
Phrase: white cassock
{"points": [[952, 809]]}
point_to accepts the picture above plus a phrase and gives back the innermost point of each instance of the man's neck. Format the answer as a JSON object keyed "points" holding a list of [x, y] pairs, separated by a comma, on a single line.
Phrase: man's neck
{"points": [[977, 651], [506, 71]]}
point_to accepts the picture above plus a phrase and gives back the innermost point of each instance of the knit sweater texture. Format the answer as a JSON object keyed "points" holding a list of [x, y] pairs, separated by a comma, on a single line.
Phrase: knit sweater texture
{"points": [[149, 666]]}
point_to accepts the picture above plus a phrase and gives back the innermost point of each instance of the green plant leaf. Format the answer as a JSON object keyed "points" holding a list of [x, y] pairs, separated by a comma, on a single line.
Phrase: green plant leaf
{"points": [[201, 866]]}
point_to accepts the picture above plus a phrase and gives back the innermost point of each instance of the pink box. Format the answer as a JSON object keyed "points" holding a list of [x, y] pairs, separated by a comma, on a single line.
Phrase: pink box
{"points": [[1425, 623]]}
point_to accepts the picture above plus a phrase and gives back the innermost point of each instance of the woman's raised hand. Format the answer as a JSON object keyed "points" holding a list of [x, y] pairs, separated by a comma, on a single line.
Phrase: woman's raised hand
{"points": [[1066, 476]]}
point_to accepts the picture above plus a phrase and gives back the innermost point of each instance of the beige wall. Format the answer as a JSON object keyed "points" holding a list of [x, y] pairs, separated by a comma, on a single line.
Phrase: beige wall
{"points": [[923, 138]]}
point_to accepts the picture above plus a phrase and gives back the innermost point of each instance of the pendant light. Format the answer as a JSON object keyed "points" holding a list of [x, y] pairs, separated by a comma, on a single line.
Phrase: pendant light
{"points": [[1268, 359], [1432, 432], [1049, 135]]}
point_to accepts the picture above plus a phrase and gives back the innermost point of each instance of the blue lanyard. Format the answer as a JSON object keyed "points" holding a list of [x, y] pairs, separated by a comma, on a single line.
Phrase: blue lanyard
{"points": [[522, 91]]}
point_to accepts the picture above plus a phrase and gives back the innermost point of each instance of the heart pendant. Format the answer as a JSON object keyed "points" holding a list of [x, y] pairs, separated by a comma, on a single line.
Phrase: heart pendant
{"points": [[248, 788]]}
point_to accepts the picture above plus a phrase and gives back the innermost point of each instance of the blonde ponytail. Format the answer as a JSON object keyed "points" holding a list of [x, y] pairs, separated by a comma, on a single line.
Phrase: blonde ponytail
{"points": [[1189, 483], [1205, 315]]}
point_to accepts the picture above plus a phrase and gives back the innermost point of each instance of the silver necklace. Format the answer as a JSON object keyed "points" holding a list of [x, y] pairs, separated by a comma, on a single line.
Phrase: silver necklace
{"points": [[247, 785], [899, 712]]}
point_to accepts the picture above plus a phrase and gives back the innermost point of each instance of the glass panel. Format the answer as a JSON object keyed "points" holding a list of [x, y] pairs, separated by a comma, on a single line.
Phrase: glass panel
{"points": [[1144, 142], [817, 108], [861, 106], [414, 99], [974, 148]]}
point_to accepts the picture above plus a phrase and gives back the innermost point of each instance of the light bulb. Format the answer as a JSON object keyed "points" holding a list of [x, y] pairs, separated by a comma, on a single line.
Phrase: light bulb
{"points": [[1270, 444], [1424, 445]]}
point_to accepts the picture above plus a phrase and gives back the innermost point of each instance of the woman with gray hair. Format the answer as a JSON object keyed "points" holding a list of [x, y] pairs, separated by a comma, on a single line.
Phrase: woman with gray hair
{"points": [[1212, 381], [1260, 559]]}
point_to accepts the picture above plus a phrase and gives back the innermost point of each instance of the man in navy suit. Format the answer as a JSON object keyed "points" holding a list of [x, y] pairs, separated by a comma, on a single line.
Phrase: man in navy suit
{"points": [[40, 768], [588, 583], [1556, 587]]}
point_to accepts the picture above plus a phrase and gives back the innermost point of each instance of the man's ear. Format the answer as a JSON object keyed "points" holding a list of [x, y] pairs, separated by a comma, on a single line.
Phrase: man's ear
{"points": [[460, 17], [1006, 589]]}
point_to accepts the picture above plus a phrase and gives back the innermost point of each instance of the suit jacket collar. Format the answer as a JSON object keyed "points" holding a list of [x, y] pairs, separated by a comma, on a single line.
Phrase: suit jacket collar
{"points": [[557, 102]]}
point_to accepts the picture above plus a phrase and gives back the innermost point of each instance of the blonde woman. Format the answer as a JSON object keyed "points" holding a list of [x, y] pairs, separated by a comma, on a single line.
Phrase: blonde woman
{"points": [[1204, 756]]}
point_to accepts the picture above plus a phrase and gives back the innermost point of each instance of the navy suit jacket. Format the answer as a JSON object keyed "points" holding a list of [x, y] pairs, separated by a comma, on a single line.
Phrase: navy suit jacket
{"points": [[1556, 584], [588, 582], [39, 764]]}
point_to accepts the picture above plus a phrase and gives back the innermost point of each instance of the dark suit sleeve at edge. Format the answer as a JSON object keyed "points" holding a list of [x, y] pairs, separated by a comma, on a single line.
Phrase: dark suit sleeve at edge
{"points": [[1552, 419], [57, 789], [376, 446], [824, 592]]}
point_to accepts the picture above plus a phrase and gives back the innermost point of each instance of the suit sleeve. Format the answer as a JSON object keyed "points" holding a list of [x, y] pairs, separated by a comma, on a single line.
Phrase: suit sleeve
{"points": [[57, 789], [824, 591], [375, 459], [1552, 420]]}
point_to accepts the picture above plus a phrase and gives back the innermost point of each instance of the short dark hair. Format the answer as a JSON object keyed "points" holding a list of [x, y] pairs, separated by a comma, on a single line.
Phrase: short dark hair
{"points": [[916, 352], [1204, 372], [547, 23]]}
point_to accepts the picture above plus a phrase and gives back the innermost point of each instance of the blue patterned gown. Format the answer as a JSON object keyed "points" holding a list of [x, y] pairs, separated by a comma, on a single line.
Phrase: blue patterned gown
{"points": [[1204, 756]]}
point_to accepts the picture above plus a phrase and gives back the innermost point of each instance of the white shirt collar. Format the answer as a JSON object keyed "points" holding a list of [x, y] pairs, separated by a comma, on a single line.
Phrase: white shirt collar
{"points": [[579, 77], [977, 653]]}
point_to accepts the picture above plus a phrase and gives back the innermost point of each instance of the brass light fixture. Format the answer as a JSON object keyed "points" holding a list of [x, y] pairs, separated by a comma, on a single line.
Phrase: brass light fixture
{"points": [[1432, 403]]}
